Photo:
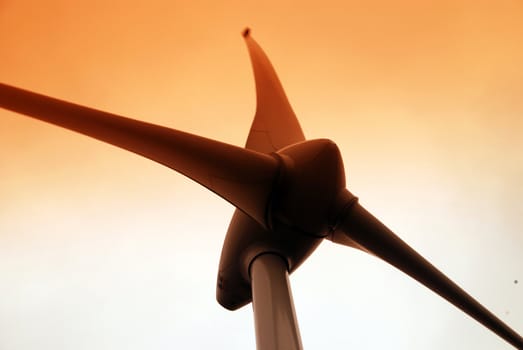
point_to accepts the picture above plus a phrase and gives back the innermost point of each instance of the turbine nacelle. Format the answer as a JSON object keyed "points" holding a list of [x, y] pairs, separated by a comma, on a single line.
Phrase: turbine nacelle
{"points": [[308, 195]]}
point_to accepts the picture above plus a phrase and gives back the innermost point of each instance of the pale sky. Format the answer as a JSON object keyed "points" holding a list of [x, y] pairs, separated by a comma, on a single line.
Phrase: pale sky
{"points": [[102, 249]]}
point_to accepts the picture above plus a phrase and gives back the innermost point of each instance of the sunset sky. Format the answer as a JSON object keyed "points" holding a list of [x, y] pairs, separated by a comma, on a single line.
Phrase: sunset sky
{"points": [[102, 249]]}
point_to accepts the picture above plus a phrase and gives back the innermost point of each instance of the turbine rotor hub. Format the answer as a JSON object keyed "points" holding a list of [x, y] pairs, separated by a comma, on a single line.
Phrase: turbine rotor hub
{"points": [[307, 194]]}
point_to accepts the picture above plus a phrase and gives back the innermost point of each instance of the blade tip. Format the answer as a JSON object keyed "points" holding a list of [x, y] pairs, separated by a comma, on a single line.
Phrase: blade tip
{"points": [[246, 32]]}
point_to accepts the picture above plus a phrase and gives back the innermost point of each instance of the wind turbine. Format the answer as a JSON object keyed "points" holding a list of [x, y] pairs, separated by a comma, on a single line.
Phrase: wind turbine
{"points": [[289, 192]]}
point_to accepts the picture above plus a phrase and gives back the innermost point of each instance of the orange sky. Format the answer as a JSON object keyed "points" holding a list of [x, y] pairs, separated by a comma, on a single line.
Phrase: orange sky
{"points": [[102, 249]]}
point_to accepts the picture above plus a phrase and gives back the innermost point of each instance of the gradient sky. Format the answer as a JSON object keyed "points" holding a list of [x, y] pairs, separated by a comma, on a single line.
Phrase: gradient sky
{"points": [[102, 249]]}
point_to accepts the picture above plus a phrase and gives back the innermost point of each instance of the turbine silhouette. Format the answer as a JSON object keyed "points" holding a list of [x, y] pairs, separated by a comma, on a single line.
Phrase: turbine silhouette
{"points": [[289, 193]]}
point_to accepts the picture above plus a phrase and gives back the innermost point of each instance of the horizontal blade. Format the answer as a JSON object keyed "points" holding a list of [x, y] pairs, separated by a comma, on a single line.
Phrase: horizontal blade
{"points": [[242, 177], [275, 125], [365, 230]]}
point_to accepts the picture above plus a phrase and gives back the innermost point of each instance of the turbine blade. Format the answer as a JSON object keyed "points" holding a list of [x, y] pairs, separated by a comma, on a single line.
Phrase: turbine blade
{"points": [[368, 232], [275, 125], [242, 177]]}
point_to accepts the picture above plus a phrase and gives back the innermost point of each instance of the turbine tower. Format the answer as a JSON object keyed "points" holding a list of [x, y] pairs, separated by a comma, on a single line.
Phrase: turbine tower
{"points": [[290, 194]]}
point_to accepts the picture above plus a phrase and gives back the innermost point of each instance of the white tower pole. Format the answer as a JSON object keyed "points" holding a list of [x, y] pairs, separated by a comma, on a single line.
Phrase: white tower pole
{"points": [[274, 316]]}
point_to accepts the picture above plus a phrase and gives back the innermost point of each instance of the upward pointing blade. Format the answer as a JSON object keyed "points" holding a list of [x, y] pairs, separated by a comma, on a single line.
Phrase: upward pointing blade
{"points": [[242, 177], [368, 232], [275, 125]]}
